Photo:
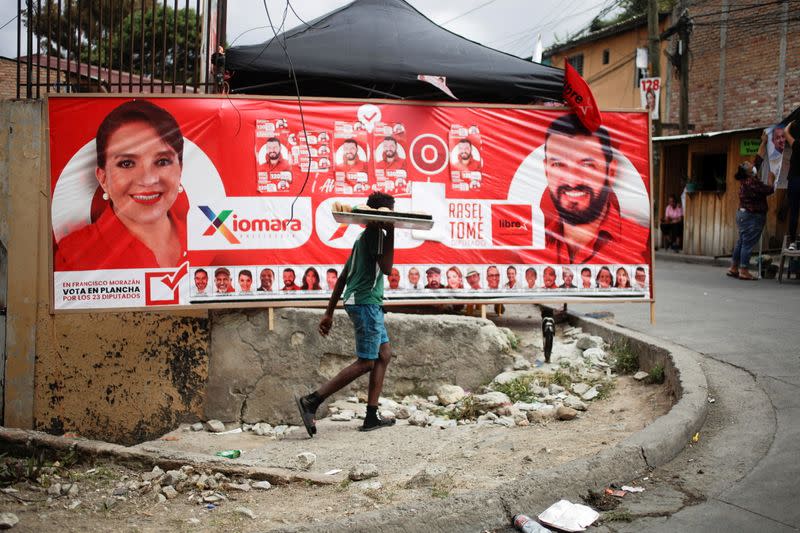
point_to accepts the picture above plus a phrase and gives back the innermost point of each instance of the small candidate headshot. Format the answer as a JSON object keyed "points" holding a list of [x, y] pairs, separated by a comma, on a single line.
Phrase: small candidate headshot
{"points": [[622, 279], [640, 278], [434, 278], [604, 278], [549, 278], [650, 99], [568, 277], [586, 278], [222, 280], [465, 159], [473, 278], [245, 281], [394, 279], [511, 276], [493, 277], [530, 277], [331, 277], [200, 280], [267, 276], [390, 153], [288, 280], [310, 280], [413, 278], [350, 154], [454, 278], [273, 149]]}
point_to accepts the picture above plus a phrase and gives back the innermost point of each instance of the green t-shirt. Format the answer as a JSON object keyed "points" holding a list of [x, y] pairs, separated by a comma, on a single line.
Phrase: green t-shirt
{"points": [[364, 284]]}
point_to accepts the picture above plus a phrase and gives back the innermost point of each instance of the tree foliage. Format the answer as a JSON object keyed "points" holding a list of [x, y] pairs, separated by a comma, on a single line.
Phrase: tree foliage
{"points": [[119, 34], [628, 10]]}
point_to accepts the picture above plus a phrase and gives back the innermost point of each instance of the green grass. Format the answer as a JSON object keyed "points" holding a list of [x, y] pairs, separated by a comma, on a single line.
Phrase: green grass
{"points": [[518, 389], [605, 388], [624, 359], [465, 409], [656, 374], [440, 492], [617, 515], [562, 378]]}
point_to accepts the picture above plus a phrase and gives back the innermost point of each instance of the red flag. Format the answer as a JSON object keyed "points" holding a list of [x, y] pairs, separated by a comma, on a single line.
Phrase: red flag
{"points": [[580, 98]]}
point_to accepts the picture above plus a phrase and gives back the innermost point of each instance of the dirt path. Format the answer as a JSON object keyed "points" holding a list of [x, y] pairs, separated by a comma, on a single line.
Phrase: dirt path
{"points": [[466, 458]]}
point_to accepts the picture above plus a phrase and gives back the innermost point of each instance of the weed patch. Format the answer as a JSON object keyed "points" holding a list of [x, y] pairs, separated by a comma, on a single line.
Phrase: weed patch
{"points": [[624, 359], [518, 389], [656, 374]]}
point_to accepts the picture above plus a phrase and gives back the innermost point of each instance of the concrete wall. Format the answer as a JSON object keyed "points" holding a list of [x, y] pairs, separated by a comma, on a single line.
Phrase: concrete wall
{"points": [[254, 373], [122, 377]]}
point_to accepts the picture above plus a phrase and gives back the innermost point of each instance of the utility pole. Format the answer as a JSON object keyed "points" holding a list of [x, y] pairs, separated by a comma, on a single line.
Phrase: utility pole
{"points": [[683, 48], [654, 51]]}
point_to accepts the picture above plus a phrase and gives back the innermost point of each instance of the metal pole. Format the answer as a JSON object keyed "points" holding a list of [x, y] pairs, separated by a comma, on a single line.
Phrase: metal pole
{"points": [[654, 51]]}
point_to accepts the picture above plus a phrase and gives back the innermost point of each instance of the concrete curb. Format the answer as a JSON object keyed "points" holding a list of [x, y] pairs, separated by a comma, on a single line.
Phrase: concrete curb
{"points": [[673, 257], [654, 445]]}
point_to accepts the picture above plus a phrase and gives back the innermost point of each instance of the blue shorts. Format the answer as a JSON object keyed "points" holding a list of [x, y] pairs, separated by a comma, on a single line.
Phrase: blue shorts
{"points": [[367, 320]]}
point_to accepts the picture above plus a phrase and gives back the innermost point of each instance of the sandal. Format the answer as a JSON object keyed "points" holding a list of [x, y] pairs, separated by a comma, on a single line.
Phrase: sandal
{"points": [[747, 277], [307, 415], [380, 423], [732, 273]]}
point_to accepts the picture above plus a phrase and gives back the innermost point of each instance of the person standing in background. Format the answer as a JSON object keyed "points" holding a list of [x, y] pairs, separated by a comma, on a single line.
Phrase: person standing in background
{"points": [[792, 134], [752, 213]]}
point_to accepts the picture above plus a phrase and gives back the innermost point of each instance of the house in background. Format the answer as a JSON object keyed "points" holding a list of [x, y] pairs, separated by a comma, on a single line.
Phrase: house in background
{"points": [[744, 75], [607, 61]]}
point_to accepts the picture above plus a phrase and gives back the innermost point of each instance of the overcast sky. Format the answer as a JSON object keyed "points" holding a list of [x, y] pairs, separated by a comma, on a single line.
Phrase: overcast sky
{"points": [[508, 25]]}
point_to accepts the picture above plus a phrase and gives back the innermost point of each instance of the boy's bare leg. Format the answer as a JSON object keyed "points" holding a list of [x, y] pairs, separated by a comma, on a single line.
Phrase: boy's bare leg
{"points": [[372, 420], [346, 376], [377, 374]]}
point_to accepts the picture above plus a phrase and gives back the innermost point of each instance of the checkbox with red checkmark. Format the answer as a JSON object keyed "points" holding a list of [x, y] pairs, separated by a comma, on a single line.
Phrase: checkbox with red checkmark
{"points": [[163, 287]]}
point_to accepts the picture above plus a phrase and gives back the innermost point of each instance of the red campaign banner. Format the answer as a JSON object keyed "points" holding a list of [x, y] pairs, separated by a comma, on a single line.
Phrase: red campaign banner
{"points": [[185, 201]]}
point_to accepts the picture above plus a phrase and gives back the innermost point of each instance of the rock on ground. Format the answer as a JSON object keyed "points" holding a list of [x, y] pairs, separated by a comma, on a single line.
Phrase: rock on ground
{"points": [[363, 471], [427, 477], [214, 426], [306, 460], [8, 520], [589, 341], [246, 512], [491, 400], [447, 394], [566, 413]]}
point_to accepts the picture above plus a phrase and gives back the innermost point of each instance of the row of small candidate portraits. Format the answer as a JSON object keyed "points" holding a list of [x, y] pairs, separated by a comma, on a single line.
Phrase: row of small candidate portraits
{"points": [[493, 277]]}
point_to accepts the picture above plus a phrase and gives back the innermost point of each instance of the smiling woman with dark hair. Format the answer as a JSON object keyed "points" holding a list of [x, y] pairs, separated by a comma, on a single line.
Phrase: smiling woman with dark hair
{"points": [[139, 165]]}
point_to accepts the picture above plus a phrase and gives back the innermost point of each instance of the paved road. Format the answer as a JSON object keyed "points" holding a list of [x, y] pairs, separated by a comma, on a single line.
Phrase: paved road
{"points": [[744, 475]]}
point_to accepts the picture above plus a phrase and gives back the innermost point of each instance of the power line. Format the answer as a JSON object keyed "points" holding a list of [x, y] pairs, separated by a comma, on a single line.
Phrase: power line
{"points": [[553, 23], [464, 14], [10, 21]]}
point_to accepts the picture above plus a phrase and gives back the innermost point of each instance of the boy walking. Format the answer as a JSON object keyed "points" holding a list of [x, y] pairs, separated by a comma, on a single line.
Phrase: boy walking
{"points": [[361, 281]]}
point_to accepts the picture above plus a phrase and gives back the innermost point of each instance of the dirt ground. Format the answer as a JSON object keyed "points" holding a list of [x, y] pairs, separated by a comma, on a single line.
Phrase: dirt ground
{"points": [[474, 457]]}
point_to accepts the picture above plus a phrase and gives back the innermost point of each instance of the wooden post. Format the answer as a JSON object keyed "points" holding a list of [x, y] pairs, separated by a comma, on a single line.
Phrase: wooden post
{"points": [[483, 311], [652, 313], [271, 318]]}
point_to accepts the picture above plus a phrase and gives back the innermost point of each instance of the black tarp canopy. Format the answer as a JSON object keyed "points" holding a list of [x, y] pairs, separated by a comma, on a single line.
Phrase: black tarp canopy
{"points": [[376, 49]]}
